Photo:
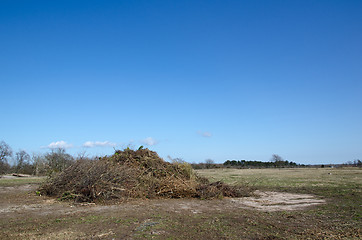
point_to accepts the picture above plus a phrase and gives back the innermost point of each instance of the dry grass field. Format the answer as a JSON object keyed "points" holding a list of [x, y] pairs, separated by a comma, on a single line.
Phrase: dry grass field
{"points": [[335, 214], [290, 178]]}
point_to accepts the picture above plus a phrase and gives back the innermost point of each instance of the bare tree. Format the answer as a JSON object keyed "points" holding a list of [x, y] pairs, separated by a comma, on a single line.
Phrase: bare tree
{"points": [[358, 163], [278, 160], [5, 152], [209, 163], [58, 160], [40, 163], [22, 160]]}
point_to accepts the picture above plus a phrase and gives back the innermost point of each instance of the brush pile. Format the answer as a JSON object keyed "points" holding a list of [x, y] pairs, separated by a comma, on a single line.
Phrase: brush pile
{"points": [[133, 174]]}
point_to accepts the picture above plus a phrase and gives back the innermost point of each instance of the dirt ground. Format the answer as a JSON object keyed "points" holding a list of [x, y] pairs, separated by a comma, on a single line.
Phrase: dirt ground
{"points": [[262, 201], [28, 216]]}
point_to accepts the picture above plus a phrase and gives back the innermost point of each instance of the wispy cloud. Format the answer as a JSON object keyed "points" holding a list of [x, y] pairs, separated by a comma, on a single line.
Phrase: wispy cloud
{"points": [[58, 144], [149, 141], [90, 144], [204, 134]]}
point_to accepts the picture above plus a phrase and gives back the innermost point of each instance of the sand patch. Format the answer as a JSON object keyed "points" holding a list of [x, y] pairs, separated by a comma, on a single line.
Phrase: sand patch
{"points": [[277, 201]]}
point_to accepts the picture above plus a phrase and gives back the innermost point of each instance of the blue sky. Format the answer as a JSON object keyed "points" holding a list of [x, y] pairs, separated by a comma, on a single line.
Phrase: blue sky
{"points": [[190, 79]]}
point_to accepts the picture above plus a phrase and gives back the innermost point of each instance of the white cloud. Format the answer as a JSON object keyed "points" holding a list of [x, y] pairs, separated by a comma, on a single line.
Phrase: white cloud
{"points": [[59, 144], [91, 144], [204, 134], [149, 141]]}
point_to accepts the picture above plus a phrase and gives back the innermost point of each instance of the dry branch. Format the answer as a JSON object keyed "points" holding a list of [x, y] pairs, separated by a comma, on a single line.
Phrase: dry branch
{"points": [[133, 174]]}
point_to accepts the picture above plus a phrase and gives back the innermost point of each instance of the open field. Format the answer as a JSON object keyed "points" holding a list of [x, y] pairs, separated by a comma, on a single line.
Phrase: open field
{"points": [[335, 214], [326, 182], [9, 181]]}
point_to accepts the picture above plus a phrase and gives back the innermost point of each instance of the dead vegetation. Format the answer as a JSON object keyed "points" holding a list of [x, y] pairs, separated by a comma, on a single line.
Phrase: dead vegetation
{"points": [[133, 174]]}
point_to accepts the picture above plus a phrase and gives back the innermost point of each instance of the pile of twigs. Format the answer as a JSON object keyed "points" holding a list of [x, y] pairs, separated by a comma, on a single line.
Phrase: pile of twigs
{"points": [[133, 174]]}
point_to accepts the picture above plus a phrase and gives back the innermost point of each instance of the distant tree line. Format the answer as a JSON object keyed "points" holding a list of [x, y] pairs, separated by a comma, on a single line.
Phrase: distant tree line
{"points": [[258, 164], [354, 163], [275, 162], [208, 164], [57, 159], [39, 164]]}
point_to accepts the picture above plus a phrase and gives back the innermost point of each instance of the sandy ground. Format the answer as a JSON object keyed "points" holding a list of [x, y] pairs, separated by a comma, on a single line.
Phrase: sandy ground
{"points": [[277, 201]]}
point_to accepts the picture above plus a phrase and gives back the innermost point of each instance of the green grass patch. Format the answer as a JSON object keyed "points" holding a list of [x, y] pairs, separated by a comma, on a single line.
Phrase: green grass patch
{"points": [[11, 182]]}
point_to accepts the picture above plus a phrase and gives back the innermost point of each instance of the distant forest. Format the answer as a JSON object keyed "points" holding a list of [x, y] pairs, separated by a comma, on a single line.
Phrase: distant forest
{"points": [[275, 162], [259, 164], [246, 164]]}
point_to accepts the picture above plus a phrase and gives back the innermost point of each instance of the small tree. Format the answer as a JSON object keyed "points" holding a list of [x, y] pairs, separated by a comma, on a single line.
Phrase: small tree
{"points": [[209, 163], [278, 160], [22, 159], [40, 164], [357, 163], [23, 163], [5, 152], [58, 160]]}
